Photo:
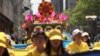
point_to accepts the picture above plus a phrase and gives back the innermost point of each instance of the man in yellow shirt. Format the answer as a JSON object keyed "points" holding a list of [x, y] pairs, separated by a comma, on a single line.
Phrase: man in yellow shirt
{"points": [[77, 45]]}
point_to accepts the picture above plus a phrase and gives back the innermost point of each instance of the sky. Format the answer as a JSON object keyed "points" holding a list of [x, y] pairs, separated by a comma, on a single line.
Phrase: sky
{"points": [[35, 4]]}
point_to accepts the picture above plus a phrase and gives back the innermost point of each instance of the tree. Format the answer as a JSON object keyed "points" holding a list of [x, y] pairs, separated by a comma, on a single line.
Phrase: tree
{"points": [[83, 8]]}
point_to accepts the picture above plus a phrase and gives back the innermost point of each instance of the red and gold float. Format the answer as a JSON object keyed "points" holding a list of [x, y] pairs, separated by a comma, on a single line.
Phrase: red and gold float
{"points": [[45, 8], [46, 16]]}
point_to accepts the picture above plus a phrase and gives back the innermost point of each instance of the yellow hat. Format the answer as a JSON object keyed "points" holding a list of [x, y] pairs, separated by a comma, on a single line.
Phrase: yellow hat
{"points": [[96, 46], [54, 34], [3, 40]]}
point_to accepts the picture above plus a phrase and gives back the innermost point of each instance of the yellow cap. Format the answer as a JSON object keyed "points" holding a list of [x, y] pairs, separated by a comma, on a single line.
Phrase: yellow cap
{"points": [[96, 46], [3, 40], [54, 34]]}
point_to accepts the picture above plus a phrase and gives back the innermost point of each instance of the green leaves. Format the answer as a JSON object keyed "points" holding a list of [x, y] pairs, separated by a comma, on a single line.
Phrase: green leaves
{"points": [[83, 8]]}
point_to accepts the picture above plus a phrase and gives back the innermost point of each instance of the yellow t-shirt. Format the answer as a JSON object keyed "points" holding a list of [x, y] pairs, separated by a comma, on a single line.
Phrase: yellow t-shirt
{"points": [[74, 48], [34, 52], [53, 53], [3, 40], [29, 41], [17, 52], [30, 47]]}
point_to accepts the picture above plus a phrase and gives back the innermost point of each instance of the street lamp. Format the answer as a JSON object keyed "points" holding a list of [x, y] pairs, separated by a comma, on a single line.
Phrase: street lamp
{"points": [[91, 19]]}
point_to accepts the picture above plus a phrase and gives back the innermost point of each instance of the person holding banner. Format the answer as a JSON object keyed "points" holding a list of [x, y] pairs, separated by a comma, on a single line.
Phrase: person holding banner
{"points": [[86, 38], [55, 45], [38, 48]]}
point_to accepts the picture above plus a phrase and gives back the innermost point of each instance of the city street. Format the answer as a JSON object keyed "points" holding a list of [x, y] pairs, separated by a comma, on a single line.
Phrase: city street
{"points": [[49, 28]]}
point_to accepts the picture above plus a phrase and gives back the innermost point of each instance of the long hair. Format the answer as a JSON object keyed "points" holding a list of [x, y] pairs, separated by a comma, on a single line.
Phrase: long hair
{"points": [[48, 48], [5, 52], [88, 42]]}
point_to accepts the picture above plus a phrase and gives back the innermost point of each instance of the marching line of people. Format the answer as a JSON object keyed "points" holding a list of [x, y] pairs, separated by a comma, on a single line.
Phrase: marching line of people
{"points": [[50, 43]]}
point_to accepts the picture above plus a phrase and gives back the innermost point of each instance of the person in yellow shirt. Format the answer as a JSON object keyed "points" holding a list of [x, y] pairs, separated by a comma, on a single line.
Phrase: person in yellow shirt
{"points": [[36, 29], [34, 37], [38, 48], [77, 45], [54, 45], [3, 45], [86, 38]]}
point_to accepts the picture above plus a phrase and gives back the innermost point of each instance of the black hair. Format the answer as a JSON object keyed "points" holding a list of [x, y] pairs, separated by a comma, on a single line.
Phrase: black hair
{"points": [[12, 37], [5, 52], [88, 42], [48, 48], [36, 34]]}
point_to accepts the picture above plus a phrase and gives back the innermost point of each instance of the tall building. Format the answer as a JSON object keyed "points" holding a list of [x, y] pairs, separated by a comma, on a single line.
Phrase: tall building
{"points": [[10, 14], [6, 15], [58, 5], [71, 3], [61, 5], [26, 8], [26, 5], [17, 6], [20, 7]]}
